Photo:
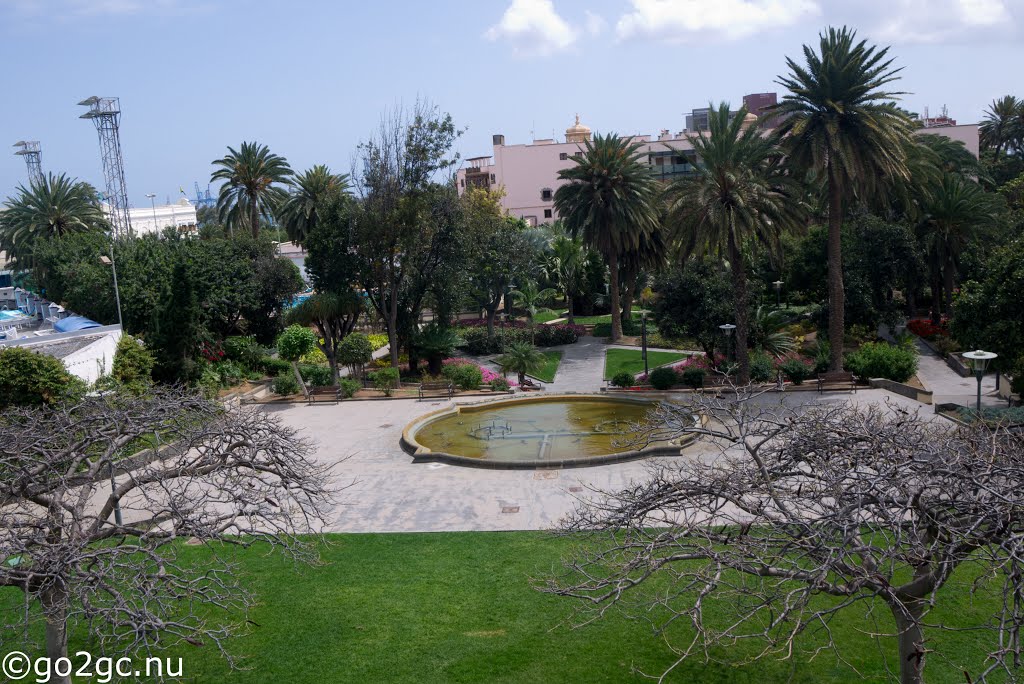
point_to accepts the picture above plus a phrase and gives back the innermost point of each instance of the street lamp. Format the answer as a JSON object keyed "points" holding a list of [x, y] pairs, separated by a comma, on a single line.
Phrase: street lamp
{"points": [[152, 202], [979, 360], [109, 261], [778, 294], [643, 339], [726, 329]]}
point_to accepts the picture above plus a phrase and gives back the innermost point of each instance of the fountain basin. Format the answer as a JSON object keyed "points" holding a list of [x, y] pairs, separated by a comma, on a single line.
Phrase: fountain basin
{"points": [[551, 431]]}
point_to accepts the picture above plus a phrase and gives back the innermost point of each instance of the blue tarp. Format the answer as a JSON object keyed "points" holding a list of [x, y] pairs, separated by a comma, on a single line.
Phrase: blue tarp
{"points": [[72, 323]]}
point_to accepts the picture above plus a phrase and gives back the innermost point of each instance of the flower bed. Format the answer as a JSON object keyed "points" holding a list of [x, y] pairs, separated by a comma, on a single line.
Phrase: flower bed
{"points": [[923, 327], [488, 375]]}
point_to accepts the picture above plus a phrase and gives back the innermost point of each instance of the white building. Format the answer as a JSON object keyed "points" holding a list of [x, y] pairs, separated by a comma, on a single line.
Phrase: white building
{"points": [[181, 215]]}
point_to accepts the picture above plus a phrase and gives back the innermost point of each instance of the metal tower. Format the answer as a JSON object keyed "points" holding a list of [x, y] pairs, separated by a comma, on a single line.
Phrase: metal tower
{"points": [[105, 112], [33, 159]]}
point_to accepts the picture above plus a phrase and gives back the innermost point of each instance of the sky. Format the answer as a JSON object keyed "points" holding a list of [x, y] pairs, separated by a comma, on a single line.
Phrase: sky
{"points": [[312, 78]]}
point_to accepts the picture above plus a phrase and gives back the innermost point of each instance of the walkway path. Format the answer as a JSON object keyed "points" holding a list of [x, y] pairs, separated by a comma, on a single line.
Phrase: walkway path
{"points": [[949, 387]]}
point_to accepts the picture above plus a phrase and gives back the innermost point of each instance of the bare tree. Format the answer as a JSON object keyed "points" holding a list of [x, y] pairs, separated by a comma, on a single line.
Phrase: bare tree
{"points": [[869, 506], [93, 514]]}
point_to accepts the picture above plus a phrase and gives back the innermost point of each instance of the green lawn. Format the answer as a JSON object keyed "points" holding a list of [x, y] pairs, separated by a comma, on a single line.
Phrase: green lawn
{"points": [[460, 608], [597, 320], [545, 315], [547, 373], [631, 361]]}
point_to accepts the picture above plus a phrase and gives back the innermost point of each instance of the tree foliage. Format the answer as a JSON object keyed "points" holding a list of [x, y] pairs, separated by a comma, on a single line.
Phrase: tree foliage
{"points": [[252, 178], [28, 378]]}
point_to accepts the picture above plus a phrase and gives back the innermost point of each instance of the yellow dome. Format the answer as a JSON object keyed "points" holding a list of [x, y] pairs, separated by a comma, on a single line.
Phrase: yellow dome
{"points": [[577, 132]]}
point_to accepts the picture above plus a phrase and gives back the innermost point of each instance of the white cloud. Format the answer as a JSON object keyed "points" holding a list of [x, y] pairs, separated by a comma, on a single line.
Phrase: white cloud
{"points": [[534, 28], [594, 24], [689, 20], [940, 21]]}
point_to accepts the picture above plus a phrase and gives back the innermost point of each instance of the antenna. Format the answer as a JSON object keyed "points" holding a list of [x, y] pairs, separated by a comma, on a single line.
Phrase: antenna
{"points": [[105, 113], [33, 159]]}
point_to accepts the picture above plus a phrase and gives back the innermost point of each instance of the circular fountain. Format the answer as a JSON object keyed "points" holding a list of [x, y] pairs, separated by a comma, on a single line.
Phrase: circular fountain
{"points": [[555, 431]]}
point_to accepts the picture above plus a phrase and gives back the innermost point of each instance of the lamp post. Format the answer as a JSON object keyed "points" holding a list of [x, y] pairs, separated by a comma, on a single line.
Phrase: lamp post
{"points": [[726, 329], [778, 294], [152, 203], [109, 261], [643, 339], [979, 360]]}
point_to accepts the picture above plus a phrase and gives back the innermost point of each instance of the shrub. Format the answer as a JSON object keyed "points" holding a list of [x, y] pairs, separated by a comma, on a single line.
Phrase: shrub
{"points": [[228, 373], [945, 345], [465, 376], [761, 368], [31, 379], [315, 357], [209, 382], [624, 380], [475, 340], [795, 370], [244, 350], [133, 365], [385, 380], [294, 341], [923, 327], [663, 378], [317, 376], [882, 360], [822, 356], [355, 350], [499, 384], [554, 335], [694, 377], [348, 387], [377, 340], [284, 384], [274, 367]]}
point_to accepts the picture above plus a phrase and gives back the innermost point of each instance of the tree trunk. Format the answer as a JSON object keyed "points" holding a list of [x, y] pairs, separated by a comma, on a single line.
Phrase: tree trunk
{"points": [[936, 317], [910, 641], [629, 279], [836, 294], [570, 317], [254, 218], [613, 293], [739, 288], [949, 280], [492, 311], [393, 347], [54, 602], [298, 379]]}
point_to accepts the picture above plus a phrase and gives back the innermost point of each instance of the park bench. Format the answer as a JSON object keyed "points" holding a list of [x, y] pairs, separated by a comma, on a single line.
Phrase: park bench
{"points": [[837, 380], [531, 385], [715, 381], [328, 393], [439, 388]]}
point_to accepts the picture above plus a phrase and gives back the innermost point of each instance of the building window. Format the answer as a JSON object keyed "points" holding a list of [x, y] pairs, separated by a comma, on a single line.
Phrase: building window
{"points": [[547, 213], [531, 221], [546, 194], [563, 156], [462, 182], [492, 177]]}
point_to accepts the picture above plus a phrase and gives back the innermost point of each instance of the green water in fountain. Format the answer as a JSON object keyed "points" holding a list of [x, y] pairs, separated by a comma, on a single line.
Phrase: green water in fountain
{"points": [[536, 430]]}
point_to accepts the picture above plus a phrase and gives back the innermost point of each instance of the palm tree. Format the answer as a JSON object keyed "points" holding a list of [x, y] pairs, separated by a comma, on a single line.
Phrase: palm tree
{"points": [[838, 124], [1002, 124], [767, 332], [953, 214], [298, 213], [531, 297], [567, 266], [51, 208], [609, 200], [252, 177], [521, 358], [649, 255], [738, 194]]}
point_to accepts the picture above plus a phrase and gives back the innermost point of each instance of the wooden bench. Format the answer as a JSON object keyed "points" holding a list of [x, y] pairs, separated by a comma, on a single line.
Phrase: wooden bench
{"points": [[837, 380], [715, 381], [531, 385], [438, 387], [315, 394]]}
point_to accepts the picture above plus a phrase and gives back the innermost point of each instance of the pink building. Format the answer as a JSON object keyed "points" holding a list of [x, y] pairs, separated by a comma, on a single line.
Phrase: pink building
{"points": [[528, 174]]}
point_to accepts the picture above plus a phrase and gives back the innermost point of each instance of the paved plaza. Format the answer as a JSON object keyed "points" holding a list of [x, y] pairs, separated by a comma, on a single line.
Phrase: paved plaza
{"points": [[389, 493]]}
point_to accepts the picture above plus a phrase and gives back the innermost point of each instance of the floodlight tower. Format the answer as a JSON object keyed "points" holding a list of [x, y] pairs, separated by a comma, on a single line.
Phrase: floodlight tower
{"points": [[105, 112], [29, 149]]}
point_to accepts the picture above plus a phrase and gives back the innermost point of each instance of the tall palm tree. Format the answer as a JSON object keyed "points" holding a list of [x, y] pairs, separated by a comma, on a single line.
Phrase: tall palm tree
{"points": [[609, 199], [839, 124], [53, 207], [1002, 123], [298, 213], [738, 194], [253, 176], [954, 213]]}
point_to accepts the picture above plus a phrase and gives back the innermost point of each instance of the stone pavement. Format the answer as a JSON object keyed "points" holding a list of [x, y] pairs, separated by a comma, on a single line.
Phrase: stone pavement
{"points": [[949, 387]]}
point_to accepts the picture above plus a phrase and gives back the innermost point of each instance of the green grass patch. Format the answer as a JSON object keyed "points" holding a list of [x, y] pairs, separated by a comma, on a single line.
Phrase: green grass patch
{"points": [[545, 315], [631, 361], [598, 320], [460, 608], [551, 361]]}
